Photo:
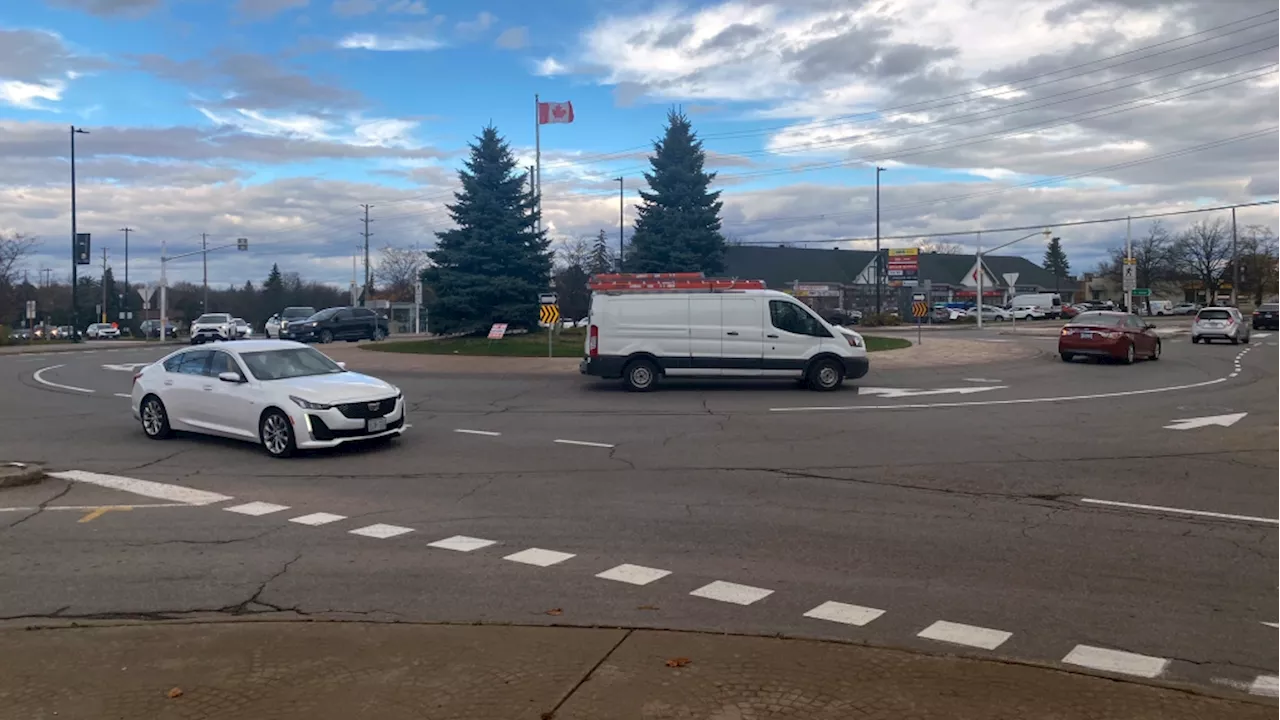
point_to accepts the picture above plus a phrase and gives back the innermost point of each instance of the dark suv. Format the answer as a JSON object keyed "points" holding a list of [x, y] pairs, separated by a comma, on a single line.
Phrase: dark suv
{"points": [[340, 323], [1267, 317]]}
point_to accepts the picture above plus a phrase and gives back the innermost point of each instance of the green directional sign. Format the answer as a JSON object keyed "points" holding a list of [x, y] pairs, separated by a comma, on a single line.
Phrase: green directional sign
{"points": [[1141, 292]]}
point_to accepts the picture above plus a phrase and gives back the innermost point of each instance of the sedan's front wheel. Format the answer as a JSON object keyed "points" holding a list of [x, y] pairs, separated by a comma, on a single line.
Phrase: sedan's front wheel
{"points": [[155, 420], [276, 433], [326, 337]]}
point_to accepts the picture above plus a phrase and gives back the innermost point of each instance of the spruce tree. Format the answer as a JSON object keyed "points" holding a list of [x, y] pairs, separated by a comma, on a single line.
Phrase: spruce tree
{"points": [[273, 290], [493, 265], [601, 259], [678, 226], [1055, 260]]}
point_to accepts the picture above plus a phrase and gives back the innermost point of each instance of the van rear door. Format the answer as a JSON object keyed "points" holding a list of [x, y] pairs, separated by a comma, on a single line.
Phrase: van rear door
{"points": [[742, 343]]}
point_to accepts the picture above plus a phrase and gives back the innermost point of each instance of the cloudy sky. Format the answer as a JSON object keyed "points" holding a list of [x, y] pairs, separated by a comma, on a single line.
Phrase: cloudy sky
{"points": [[276, 119]]}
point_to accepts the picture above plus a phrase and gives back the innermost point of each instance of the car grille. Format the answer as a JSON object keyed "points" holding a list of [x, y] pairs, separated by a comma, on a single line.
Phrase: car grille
{"points": [[321, 431], [366, 410]]}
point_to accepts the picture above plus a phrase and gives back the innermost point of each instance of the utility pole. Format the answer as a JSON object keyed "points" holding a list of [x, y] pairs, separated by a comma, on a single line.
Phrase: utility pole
{"points": [[204, 257], [46, 277], [620, 221], [75, 311], [1128, 254], [879, 263], [1235, 263], [368, 288], [128, 291], [103, 317], [533, 192]]}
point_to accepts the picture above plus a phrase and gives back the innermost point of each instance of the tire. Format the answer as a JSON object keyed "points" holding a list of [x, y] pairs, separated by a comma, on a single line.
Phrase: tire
{"points": [[640, 375], [155, 419], [1235, 341], [1195, 340], [275, 432], [326, 337], [1128, 355], [825, 375], [1067, 357], [378, 335], [1155, 354]]}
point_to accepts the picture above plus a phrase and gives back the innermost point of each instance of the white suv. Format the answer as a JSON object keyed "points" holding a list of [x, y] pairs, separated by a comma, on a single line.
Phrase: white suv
{"points": [[212, 327], [1219, 323]]}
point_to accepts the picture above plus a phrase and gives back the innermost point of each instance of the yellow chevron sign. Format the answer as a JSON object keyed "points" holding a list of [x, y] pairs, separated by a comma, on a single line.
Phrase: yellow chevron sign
{"points": [[549, 314]]}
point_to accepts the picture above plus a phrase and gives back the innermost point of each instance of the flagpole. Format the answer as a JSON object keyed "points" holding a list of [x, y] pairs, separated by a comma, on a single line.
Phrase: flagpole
{"points": [[537, 158]]}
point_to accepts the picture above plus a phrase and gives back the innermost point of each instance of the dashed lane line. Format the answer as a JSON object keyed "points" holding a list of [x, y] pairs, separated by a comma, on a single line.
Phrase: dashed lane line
{"points": [[1116, 661], [486, 433], [633, 574], [256, 508], [961, 634], [37, 377], [381, 531], [731, 593], [584, 443], [462, 543], [843, 613], [539, 557], [1181, 511], [320, 518]]}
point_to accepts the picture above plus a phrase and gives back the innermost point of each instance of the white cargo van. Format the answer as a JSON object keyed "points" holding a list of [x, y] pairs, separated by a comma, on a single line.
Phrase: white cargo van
{"points": [[1049, 303], [716, 328]]}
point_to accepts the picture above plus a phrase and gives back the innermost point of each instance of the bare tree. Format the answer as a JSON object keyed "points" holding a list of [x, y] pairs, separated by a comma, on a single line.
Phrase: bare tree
{"points": [[1203, 251], [398, 270], [14, 250], [1155, 257], [574, 252], [939, 247], [1258, 253]]}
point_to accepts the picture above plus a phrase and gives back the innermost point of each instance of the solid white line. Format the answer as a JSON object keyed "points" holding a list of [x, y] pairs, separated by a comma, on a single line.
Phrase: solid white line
{"points": [[486, 433], [539, 557], [584, 443], [36, 376], [1266, 685], [633, 574], [1116, 661], [320, 518], [381, 531], [461, 543], [731, 593], [1020, 401], [256, 508], [94, 507], [160, 491], [843, 613], [960, 634], [1161, 508]]}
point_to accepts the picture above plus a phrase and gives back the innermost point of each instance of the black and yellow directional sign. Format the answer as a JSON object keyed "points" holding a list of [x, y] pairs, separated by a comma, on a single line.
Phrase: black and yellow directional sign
{"points": [[919, 309], [549, 314]]}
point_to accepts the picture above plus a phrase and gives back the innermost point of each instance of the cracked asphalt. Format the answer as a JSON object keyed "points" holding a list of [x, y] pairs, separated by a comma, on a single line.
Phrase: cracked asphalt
{"points": [[968, 512]]}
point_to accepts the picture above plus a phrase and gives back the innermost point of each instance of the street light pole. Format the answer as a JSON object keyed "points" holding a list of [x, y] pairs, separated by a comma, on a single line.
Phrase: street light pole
{"points": [[75, 316], [879, 273]]}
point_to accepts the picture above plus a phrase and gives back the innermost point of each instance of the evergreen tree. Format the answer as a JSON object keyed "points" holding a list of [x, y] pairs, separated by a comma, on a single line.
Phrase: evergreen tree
{"points": [[273, 290], [112, 308], [678, 226], [491, 267], [1055, 260], [601, 260]]}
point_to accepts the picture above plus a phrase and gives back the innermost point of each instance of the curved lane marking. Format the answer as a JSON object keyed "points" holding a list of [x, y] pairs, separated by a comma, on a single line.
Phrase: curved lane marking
{"points": [[1181, 511], [36, 376]]}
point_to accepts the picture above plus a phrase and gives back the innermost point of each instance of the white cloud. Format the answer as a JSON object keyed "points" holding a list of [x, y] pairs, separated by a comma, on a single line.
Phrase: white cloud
{"points": [[482, 22], [407, 7], [389, 43], [28, 95], [549, 67], [513, 38]]}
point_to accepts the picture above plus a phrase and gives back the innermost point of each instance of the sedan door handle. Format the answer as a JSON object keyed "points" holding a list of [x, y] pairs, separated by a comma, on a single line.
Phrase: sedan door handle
{"points": [[732, 332], [775, 337], [208, 388]]}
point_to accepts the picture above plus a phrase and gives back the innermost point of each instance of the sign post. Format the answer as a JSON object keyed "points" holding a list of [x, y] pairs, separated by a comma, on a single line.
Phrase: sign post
{"points": [[31, 311], [919, 308], [904, 266], [548, 313], [1130, 282]]}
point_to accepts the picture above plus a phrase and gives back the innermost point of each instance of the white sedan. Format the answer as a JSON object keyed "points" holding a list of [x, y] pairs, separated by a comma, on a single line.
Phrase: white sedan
{"points": [[1029, 312], [282, 394]]}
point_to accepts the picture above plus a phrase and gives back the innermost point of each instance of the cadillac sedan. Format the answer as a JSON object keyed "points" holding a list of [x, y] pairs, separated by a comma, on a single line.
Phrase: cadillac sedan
{"points": [[283, 395]]}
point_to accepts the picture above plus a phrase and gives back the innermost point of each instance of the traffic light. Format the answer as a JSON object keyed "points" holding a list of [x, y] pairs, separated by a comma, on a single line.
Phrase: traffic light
{"points": [[82, 248], [242, 243]]}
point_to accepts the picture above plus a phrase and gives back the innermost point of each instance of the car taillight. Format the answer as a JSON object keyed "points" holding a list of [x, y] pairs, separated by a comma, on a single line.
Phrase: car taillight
{"points": [[593, 342]]}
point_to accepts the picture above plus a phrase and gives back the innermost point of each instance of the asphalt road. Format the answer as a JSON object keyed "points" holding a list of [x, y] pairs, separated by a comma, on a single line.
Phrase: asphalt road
{"points": [[963, 494]]}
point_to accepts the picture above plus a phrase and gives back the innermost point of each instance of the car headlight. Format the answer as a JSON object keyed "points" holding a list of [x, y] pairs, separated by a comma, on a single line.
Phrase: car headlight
{"points": [[307, 404]]}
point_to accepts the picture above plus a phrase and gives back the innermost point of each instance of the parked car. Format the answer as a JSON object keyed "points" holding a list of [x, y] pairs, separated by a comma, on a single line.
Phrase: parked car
{"points": [[284, 395], [212, 327], [1265, 317], [1048, 303], [102, 331], [340, 323], [842, 317], [243, 331], [272, 327], [151, 329], [1219, 323], [1108, 335], [991, 313], [1159, 307], [1029, 312], [291, 315], [641, 337], [1185, 309], [1070, 311]]}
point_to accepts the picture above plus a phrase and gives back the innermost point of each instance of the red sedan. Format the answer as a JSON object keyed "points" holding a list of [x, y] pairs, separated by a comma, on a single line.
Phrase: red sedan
{"points": [[1109, 335]]}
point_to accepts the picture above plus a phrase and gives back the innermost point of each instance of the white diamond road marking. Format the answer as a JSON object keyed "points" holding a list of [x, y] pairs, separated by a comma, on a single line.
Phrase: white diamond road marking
{"points": [[318, 519], [1116, 661], [381, 531], [844, 613], [960, 634], [256, 508], [462, 543], [539, 557], [731, 593], [634, 574], [1264, 685]]}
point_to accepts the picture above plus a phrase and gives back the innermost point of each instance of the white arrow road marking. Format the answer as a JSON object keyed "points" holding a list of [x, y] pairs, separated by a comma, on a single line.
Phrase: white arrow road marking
{"points": [[1193, 423], [36, 376], [125, 367], [157, 490], [911, 392]]}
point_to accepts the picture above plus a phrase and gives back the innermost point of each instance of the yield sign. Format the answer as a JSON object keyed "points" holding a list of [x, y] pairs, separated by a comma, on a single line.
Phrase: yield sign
{"points": [[1193, 423], [146, 291]]}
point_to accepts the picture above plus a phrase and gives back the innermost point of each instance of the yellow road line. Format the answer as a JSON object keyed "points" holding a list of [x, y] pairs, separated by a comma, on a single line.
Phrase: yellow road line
{"points": [[99, 512]]}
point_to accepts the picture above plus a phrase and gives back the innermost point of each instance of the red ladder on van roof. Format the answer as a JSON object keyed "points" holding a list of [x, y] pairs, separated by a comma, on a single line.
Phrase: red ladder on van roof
{"points": [[669, 281]]}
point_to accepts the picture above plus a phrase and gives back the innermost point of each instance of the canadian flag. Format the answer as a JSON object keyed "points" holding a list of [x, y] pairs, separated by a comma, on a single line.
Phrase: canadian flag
{"points": [[555, 112]]}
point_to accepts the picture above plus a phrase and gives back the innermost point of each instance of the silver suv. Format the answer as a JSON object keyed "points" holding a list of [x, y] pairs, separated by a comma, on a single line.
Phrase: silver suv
{"points": [[1219, 323]]}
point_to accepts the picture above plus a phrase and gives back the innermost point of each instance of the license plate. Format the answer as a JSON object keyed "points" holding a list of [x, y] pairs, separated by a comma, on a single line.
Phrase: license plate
{"points": [[1086, 336], [375, 425]]}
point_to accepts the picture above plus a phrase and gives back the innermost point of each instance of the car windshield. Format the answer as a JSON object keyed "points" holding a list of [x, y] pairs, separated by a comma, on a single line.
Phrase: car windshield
{"points": [[295, 313], [213, 318], [1214, 315], [288, 363], [1100, 319], [325, 314]]}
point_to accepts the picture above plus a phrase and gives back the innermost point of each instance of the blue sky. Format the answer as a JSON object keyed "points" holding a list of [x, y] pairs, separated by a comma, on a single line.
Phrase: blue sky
{"points": [[276, 119]]}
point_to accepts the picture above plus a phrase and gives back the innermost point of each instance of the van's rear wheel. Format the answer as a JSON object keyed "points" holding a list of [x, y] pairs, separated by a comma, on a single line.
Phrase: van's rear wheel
{"points": [[640, 375], [826, 374]]}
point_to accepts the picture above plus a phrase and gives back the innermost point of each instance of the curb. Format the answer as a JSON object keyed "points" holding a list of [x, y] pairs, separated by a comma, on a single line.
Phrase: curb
{"points": [[14, 474]]}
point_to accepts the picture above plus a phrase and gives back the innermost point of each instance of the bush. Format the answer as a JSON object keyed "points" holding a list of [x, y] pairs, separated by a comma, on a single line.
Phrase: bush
{"points": [[881, 319]]}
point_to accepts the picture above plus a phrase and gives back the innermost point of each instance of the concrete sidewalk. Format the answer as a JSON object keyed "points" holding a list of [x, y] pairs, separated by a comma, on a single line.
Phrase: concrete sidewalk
{"points": [[346, 670]]}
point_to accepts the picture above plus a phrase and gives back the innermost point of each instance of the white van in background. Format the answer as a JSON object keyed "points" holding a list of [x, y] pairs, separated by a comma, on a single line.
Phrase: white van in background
{"points": [[711, 330], [1159, 307], [1048, 303]]}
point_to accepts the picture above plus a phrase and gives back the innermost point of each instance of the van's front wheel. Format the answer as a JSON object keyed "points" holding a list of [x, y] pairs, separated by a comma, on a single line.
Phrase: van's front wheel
{"points": [[640, 375], [826, 374]]}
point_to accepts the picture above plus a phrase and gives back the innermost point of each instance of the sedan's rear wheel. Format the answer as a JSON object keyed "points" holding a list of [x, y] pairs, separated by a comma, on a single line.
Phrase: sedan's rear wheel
{"points": [[155, 420], [276, 433], [1128, 354], [1067, 357], [1155, 354]]}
